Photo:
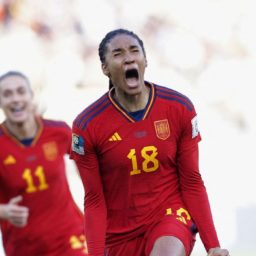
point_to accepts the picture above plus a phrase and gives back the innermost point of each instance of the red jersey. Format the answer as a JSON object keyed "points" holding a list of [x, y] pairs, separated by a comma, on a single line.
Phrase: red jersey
{"points": [[37, 172], [134, 171]]}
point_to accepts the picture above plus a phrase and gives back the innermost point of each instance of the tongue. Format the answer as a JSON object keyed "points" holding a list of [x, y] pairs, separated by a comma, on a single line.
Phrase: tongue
{"points": [[132, 81]]}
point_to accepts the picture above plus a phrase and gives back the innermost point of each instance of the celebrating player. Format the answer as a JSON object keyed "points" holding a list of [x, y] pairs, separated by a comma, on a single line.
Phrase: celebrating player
{"points": [[136, 148], [38, 215]]}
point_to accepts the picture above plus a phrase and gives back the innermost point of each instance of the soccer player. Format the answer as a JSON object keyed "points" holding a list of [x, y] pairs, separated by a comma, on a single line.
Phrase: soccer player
{"points": [[38, 215], [136, 148]]}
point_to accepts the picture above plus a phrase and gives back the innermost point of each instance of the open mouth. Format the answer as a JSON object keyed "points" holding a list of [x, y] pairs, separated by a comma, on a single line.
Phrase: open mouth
{"points": [[132, 73], [132, 76], [17, 109]]}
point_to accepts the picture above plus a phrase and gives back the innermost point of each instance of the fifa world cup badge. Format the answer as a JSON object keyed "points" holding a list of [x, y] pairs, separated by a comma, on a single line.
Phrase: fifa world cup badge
{"points": [[195, 129], [78, 144]]}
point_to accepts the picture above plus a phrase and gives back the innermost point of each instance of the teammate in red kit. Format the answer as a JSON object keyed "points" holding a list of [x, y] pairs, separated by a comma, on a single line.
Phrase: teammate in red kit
{"points": [[136, 148], [38, 215]]}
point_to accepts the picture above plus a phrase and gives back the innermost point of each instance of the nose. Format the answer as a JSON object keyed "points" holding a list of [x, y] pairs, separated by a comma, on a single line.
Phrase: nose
{"points": [[129, 58], [15, 97]]}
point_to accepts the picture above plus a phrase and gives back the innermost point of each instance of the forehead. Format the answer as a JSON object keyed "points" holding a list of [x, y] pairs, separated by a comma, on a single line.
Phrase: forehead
{"points": [[122, 41], [13, 82]]}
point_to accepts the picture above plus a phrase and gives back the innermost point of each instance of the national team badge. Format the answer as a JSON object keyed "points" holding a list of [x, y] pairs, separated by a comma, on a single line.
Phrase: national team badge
{"points": [[78, 144], [50, 150], [162, 129]]}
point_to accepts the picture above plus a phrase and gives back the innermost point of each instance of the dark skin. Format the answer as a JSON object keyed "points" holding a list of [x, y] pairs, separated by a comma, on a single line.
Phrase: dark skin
{"points": [[124, 54]]}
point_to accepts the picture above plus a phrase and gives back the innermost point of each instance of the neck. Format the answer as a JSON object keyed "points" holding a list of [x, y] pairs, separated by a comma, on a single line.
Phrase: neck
{"points": [[23, 130], [132, 103]]}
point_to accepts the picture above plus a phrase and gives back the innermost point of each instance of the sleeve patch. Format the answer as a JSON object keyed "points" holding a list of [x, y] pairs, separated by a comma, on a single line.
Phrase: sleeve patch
{"points": [[77, 144], [195, 129]]}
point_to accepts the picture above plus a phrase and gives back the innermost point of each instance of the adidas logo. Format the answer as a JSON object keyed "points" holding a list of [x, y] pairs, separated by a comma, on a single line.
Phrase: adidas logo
{"points": [[115, 137], [9, 160]]}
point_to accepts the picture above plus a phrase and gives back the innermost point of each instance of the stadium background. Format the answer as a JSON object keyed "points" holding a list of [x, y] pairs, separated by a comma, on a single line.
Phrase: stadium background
{"points": [[202, 48]]}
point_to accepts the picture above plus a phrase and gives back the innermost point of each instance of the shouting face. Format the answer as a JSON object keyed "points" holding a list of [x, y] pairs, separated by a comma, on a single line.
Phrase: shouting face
{"points": [[125, 64]]}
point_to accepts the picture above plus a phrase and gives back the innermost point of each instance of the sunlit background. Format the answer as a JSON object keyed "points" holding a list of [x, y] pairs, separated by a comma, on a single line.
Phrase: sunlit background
{"points": [[205, 49]]}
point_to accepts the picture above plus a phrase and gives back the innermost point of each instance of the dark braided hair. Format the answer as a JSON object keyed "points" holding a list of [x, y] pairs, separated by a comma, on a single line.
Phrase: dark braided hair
{"points": [[108, 37]]}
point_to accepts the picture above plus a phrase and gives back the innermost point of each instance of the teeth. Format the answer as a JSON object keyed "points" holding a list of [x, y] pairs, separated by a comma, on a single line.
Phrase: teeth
{"points": [[17, 109]]}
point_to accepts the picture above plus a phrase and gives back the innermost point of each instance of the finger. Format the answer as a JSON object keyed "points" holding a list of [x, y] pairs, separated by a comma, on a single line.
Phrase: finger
{"points": [[19, 211], [19, 223], [16, 200]]}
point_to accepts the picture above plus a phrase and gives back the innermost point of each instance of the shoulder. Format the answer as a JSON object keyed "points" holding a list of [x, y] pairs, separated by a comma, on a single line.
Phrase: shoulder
{"points": [[49, 123], [91, 112], [173, 96], [56, 126]]}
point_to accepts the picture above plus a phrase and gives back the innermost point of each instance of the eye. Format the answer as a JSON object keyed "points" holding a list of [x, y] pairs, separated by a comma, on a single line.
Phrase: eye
{"points": [[135, 49], [22, 90], [117, 54], [7, 93]]}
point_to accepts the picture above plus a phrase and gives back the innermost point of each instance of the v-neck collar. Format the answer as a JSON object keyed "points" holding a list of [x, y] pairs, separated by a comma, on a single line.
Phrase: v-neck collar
{"points": [[125, 113], [17, 141]]}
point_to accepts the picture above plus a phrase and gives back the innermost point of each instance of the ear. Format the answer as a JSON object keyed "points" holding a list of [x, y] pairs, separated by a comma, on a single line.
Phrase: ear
{"points": [[105, 70], [146, 62]]}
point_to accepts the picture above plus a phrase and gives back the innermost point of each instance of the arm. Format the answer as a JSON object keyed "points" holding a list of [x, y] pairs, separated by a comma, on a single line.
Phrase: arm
{"points": [[95, 210], [94, 205], [17, 215], [192, 186], [195, 196]]}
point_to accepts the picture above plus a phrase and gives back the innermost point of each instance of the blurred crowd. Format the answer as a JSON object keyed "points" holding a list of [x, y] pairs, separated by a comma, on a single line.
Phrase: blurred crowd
{"points": [[202, 48]]}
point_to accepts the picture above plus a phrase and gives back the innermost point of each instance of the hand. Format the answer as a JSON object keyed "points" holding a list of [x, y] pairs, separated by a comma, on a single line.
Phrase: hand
{"points": [[17, 215], [218, 252]]}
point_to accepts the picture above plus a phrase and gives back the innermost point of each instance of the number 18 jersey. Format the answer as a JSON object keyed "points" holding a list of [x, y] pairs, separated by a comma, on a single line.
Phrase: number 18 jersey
{"points": [[147, 167]]}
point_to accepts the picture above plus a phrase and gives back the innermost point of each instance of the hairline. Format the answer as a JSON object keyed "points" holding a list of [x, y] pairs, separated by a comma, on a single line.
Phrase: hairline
{"points": [[15, 73]]}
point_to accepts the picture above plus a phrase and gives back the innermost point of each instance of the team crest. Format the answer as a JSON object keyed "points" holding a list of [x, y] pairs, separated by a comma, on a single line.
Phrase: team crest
{"points": [[50, 150], [162, 129]]}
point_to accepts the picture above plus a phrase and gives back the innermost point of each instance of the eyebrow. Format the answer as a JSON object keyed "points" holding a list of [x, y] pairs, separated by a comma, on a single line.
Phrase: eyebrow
{"points": [[120, 49]]}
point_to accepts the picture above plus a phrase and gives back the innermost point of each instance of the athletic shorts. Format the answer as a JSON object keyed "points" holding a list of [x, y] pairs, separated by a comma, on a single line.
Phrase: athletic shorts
{"points": [[170, 225]]}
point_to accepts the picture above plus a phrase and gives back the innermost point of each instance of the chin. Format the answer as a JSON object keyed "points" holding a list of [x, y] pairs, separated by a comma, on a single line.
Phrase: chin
{"points": [[18, 120]]}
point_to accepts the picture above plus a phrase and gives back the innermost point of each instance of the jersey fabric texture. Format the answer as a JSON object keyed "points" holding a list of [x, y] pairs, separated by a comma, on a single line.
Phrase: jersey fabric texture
{"points": [[37, 172], [142, 245], [147, 168]]}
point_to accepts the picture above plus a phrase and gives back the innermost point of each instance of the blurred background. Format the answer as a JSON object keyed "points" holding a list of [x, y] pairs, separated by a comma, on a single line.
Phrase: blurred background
{"points": [[206, 49]]}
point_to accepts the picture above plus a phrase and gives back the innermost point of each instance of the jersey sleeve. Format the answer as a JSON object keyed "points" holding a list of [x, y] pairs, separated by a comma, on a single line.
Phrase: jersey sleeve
{"points": [[84, 154], [67, 137], [193, 189]]}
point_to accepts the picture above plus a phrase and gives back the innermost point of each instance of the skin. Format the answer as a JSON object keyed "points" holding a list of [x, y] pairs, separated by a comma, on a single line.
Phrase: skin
{"points": [[125, 53], [17, 215], [16, 101], [168, 245]]}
